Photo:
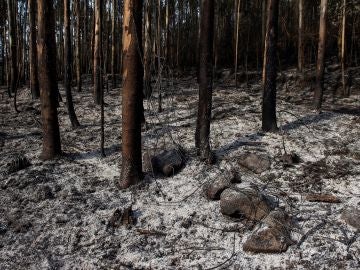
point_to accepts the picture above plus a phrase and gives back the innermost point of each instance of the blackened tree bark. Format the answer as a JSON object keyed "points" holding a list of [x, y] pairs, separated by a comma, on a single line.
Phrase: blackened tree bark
{"points": [[46, 47], [147, 50], [68, 64], [320, 67], [301, 36], [98, 52], [270, 68], [34, 79], [114, 41], [11, 4], [78, 45], [205, 81], [132, 96]]}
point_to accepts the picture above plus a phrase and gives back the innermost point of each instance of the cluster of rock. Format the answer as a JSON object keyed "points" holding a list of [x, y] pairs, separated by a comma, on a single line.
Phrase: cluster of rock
{"points": [[251, 204]]}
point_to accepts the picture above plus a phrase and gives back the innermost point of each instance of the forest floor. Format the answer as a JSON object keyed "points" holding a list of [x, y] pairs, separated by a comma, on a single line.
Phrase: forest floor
{"points": [[56, 214]]}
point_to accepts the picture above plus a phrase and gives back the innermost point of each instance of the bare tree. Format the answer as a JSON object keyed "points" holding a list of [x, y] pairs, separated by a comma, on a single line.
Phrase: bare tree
{"points": [[114, 41], [34, 79], [346, 91], [270, 68], [68, 64], [132, 96], [320, 68], [301, 36], [98, 52], [12, 4], [46, 47], [78, 44], [202, 133], [147, 50]]}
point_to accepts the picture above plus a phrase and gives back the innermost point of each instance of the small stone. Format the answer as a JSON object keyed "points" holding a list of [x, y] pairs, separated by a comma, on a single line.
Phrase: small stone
{"points": [[269, 240], [255, 162], [246, 202], [213, 190], [167, 163], [278, 219], [351, 216]]}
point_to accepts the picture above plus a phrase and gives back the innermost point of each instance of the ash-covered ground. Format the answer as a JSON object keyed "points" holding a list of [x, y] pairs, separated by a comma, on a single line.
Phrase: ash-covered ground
{"points": [[60, 214]]}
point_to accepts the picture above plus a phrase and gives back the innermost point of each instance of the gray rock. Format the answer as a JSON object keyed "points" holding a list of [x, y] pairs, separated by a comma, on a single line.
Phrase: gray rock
{"points": [[167, 163], [277, 218], [246, 202], [257, 163], [269, 240], [351, 216], [213, 190]]}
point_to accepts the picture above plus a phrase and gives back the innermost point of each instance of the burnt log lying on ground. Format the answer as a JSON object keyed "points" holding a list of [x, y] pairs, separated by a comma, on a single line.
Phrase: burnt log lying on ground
{"points": [[166, 163]]}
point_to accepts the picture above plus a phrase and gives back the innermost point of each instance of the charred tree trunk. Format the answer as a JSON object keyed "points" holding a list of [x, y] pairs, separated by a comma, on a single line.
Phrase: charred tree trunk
{"points": [[11, 4], [131, 170], [68, 64], [346, 89], [270, 69], [113, 44], [98, 52], [320, 68], [301, 37], [46, 47], [147, 50], [34, 79], [202, 133], [237, 5], [78, 45]]}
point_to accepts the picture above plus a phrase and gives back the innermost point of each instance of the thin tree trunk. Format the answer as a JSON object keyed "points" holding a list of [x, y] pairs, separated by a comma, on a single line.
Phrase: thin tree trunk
{"points": [[131, 169], [113, 44], [159, 55], [343, 48], [270, 69], [11, 4], [68, 64], [202, 133], [263, 23], [78, 45], [34, 79], [237, 39], [48, 79], [320, 68], [147, 50], [301, 37], [98, 52]]}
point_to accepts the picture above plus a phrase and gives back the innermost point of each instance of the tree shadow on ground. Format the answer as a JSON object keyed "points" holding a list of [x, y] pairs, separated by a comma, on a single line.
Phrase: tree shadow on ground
{"points": [[115, 148]]}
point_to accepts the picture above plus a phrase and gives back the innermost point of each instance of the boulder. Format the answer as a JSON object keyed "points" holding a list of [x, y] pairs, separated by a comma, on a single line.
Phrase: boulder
{"points": [[269, 240], [214, 189], [278, 219], [351, 216], [248, 203], [257, 163], [167, 163]]}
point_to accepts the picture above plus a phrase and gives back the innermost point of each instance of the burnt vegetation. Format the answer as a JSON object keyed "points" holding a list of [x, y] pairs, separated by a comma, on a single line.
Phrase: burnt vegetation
{"points": [[179, 134]]}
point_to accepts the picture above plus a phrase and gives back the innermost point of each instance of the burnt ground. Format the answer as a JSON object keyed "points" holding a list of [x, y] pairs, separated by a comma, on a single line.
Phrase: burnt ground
{"points": [[58, 214]]}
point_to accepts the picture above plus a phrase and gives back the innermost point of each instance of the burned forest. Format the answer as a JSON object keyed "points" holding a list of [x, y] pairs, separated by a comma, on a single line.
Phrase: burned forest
{"points": [[179, 134]]}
